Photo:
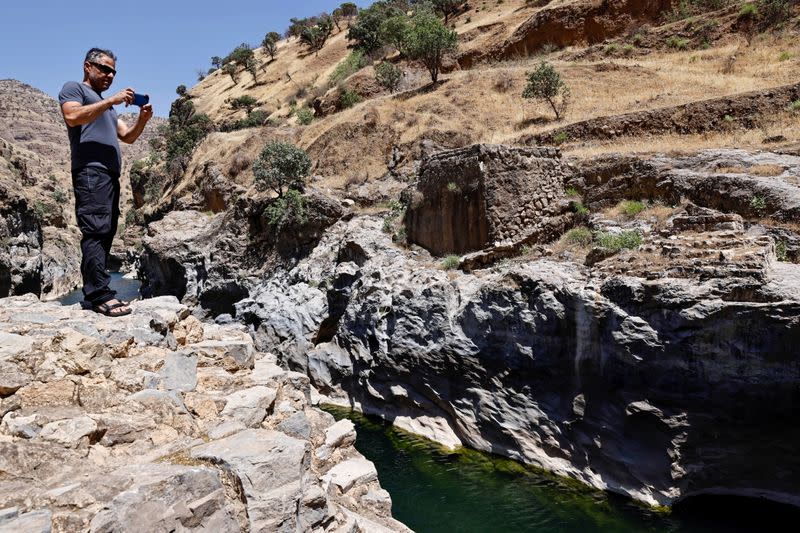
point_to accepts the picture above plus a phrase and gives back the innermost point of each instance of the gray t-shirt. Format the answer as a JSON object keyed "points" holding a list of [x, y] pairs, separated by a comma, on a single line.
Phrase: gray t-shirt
{"points": [[94, 144]]}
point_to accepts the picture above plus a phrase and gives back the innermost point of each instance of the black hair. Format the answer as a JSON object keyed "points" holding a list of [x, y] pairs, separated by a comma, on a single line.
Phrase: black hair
{"points": [[95, 53]]}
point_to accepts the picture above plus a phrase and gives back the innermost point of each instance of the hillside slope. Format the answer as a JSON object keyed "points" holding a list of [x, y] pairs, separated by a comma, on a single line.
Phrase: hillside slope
{"points": [[617, 57]]}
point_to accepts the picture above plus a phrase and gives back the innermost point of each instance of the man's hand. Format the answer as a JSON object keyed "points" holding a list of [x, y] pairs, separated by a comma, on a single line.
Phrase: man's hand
{"points": [[146, 113], [125, 96]]}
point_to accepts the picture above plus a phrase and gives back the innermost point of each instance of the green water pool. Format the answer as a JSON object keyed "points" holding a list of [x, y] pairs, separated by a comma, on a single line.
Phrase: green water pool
{"points": [[435, 491]]}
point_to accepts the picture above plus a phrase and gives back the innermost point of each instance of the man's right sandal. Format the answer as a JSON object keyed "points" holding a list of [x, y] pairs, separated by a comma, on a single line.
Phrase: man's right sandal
{"points": [[112, 310]]}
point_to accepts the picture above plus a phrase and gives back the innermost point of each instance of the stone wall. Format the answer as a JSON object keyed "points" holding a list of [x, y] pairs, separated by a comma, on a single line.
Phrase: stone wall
{"points": [[470, 198]]}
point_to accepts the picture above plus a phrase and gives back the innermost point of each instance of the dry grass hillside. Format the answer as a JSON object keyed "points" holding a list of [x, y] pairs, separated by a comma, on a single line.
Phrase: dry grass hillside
{"points": [[617, 57]]}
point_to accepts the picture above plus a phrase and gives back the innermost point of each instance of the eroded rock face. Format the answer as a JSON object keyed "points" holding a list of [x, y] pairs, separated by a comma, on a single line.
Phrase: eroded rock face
{"points": [[212, 260], [657, 388], [470, 198], [148, 423]]}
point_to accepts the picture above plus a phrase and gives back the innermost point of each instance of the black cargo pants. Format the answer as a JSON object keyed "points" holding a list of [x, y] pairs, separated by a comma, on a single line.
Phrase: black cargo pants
{"points": [[97, 211]]}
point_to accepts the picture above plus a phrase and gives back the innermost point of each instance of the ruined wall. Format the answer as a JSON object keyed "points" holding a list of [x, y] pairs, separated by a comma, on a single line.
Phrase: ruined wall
{"points": [[470, 198]]}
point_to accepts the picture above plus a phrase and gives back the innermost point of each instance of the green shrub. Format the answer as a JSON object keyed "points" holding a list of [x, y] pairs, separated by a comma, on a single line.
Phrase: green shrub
{"points": [[611, 48], [579, 208], [560, 138], [305, 115], [631, 208], [42, 209], [628, 49], [758, 203], [255, 119], [451, 262], [246, 102], [677, 43], [571, 192], [388, 76], [355, 61], [795, 106], [545, 83], [59, 196], [580, 236], [452, 187], [780, 251], [281, 166], [348, 99], [748, 10], [619, 241], [289, 208], [785, 56]]}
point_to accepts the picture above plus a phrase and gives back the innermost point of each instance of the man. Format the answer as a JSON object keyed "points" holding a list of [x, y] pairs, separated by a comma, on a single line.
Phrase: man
{"points": [[94, 131]]}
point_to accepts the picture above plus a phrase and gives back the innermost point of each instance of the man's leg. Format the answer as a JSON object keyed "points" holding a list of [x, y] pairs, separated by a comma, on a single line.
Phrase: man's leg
{"points": [[94, 199]]}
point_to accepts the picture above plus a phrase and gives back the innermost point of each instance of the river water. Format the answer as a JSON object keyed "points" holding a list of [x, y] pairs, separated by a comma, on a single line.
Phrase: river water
{"points": [[127, 289], [436, 491]]}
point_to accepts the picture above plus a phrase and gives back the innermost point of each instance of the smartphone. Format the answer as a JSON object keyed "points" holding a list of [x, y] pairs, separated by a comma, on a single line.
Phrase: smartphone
{"points": [[140, 99]]}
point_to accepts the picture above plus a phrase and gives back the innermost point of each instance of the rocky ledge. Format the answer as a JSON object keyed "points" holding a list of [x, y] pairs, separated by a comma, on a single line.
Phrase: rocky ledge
{"points": [[158, 422]]}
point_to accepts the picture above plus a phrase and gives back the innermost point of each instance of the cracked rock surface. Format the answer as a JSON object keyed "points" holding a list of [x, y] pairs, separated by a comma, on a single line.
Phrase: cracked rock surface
{"points": [[158, 422]]}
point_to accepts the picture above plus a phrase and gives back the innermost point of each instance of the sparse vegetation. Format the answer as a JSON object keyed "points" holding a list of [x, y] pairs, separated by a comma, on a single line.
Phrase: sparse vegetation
{"points": [[631, 208], [388, 76], [354, 62], [305, 115], [314, 37], [678, 43], [451, 262], [580, 236], [59, 196], [253, 120], [571, 192], [795, 106], [748, 10], [618, 241], [758, 203], [578, 207], [780, 251], [545, 83], [560, 138], [452, 187], [785, 56], [348, 99], [246, 102], [185, 129], [280, 167]]}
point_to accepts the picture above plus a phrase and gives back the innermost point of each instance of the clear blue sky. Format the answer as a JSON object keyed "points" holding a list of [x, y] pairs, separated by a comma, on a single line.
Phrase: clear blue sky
{"points": [[159, 44]]}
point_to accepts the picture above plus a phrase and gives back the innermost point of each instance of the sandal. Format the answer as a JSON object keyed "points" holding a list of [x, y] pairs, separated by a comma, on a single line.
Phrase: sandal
{"points": [[112, 310]]}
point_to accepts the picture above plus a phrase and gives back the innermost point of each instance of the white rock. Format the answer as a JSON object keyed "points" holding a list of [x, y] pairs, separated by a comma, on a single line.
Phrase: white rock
{"points": [[250, 406], [349, 473]]}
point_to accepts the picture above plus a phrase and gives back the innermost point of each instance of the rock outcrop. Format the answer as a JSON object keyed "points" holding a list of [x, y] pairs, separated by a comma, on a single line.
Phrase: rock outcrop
{"points": [[655, 388], [157, 422], [659, 372], [214, 260]]}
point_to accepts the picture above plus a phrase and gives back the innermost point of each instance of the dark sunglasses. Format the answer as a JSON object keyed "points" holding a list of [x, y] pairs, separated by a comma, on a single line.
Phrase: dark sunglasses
{"points": [[105, 68]]}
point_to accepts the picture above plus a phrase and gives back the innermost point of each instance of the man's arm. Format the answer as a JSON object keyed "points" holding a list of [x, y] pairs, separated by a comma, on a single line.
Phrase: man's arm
{"points": [[76, 114], [129, 134]]}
